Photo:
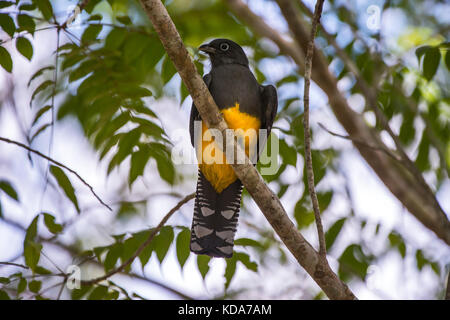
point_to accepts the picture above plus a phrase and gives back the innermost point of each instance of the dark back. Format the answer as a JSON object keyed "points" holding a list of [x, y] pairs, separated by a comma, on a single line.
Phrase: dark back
{"points": [[233, 83]]}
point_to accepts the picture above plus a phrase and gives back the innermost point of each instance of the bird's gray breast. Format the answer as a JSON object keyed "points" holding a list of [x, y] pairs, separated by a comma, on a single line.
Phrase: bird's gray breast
{"points": [[233, 83]]}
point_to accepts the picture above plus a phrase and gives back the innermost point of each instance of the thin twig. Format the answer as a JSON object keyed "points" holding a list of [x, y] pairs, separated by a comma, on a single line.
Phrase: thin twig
{"points": [[61, 290], [143, 245], [58, 164], [308, 156], [73, 251], [13, 264], [363, 143]]}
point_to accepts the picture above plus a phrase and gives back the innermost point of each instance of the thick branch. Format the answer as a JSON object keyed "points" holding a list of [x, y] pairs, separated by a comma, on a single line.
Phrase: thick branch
{"points": [[267, 201], [399, 181], [308, 156]]}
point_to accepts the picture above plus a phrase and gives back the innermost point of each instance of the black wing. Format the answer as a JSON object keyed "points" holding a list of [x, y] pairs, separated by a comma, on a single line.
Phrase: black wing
{"points": [[269, 100], [194, 112]]}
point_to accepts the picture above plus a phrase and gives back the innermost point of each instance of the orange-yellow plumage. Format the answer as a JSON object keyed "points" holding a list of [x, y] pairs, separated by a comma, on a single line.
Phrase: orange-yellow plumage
{"points": [[213, 163]]}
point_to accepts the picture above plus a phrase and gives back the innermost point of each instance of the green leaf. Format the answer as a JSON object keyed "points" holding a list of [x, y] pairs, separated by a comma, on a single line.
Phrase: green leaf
{"points": [[407, 130], [324, 199], [131, 245], [126, 145], [5, 60], [421, 51], [6, 4], [31, 249], [39, 131], [64, 183], [27, 7], [333, 232], [422, 160], [124, 20], [302, 214], [138, 161], [35, 286], [44, 85], [288, 153], [397, 241], [91, 5], [39, 72], [25, 47], [246, 242], [26, 23], [133, 47], [51, 225], [40, 113], [22, 285], [420, 260], [98, 293], [7, 24], [4, 280], [168, 70], [163, 242], [95, 17], [183, 242], [4, 295], [45, 7], [7, 188], [354, 262], [245, 260], [91, 33], [145, 255], [77, 294], [112, 256], [42, 270], [431, 62], [115, 38], [230, 270], [447, 59], [203, 264]]}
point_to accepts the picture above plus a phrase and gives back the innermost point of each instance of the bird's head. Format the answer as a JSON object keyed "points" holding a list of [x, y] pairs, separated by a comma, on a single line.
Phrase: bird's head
{"points": [[224, 51]]}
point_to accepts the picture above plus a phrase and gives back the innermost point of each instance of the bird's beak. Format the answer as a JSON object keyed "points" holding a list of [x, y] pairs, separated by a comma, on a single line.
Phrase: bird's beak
{"points": [[207, 48]]}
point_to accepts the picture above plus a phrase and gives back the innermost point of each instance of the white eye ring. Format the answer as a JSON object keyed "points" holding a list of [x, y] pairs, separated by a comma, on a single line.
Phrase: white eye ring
{"points": [[224, 46]]}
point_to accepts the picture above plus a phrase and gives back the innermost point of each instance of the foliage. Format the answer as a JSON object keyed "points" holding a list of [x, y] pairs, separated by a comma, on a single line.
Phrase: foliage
{"points": [[107, 80]]}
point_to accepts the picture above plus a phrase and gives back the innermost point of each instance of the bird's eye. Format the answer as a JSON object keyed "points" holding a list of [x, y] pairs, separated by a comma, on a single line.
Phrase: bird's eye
{"points": [[224, 46]]}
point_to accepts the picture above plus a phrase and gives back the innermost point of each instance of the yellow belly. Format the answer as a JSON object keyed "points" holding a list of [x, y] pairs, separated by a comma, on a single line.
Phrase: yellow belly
{"points": [[213, 163]]}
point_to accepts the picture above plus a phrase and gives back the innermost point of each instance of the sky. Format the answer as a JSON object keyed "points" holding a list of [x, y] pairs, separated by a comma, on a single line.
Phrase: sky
{"points": [[392, 278]]}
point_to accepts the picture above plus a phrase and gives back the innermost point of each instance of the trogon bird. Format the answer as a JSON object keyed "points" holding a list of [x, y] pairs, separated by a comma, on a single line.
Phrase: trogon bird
{"points": [[244, 104]]}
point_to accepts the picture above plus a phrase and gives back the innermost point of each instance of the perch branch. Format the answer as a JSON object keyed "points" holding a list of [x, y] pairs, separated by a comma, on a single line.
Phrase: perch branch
{"points": [[267, 201]]}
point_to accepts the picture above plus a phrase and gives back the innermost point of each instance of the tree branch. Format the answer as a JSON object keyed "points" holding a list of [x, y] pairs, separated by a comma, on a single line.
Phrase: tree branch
{"points": [[356, 141], [398, 180], [58, 164], [13, 264], [73, 251], [267, 201], [308, 156]]}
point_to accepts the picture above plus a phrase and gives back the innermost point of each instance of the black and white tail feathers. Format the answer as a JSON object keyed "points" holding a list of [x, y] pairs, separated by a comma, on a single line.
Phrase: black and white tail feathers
{"points": [[215, 218]]}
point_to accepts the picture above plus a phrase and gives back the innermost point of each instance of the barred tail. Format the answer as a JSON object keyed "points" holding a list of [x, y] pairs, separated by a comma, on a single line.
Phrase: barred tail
{"points": [[215, 218]]}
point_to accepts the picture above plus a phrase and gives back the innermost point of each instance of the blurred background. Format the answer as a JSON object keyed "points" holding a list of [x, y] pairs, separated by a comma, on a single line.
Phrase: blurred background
{"points": [[100, 96]]}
